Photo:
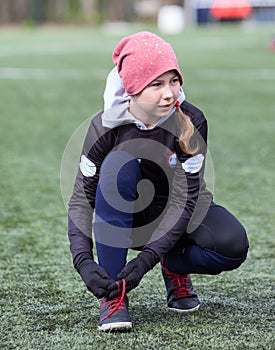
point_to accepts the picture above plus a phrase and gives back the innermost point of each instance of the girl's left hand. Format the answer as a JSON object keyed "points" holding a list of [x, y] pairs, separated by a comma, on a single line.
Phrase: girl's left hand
{"points": [[133, 272]]}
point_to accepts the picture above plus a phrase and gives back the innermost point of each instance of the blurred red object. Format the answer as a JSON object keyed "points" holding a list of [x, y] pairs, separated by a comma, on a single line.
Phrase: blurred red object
{"points": [[226, 9], [271, 45]]}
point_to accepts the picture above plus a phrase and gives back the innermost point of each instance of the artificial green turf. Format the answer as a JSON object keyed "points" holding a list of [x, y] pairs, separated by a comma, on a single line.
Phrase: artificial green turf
{"points": [[51, 81]]}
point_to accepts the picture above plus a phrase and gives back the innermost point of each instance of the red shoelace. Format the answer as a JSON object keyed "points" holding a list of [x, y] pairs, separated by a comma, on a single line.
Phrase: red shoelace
{"points": [[116, 303], [179, 283]]}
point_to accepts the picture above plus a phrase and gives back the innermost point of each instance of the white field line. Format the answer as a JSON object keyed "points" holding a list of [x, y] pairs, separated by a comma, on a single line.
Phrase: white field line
{"points": [[236, 74], [50, 49], [50, 74], [74, 47], [13, 73]]}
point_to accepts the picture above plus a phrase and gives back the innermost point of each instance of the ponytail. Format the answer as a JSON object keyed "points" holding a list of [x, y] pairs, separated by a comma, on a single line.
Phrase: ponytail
{"points": [[187, 131]]}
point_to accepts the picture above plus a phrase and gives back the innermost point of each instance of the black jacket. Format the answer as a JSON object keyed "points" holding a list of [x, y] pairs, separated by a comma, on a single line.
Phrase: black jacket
{"points": [[181, 179]]}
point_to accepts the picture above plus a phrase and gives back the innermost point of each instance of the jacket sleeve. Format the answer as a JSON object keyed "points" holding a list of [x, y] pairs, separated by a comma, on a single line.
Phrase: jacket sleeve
{"points": [[97, 144], [186, 188]]}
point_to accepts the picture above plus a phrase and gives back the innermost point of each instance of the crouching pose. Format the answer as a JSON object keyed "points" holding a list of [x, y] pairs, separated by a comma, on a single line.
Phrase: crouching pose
{"points": [[140, 185]]}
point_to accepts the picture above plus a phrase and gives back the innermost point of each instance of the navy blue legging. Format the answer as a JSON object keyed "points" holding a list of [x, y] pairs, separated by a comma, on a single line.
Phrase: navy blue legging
{"points": [[218, 244]]}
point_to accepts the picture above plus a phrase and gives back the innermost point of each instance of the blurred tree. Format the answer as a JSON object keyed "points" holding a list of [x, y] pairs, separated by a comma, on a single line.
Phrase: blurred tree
{"points": [[115, 11], [37, 11], [13, 11], [4, 12], [88, 9], [53, 9]]}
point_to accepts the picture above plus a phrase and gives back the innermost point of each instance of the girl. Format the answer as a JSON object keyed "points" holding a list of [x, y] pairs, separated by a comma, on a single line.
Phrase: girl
{"points": [[141, 175]]}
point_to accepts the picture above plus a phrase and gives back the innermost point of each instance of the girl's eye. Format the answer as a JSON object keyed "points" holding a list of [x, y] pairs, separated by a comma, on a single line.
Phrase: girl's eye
{"points": [[155, 84], [175, 80]]}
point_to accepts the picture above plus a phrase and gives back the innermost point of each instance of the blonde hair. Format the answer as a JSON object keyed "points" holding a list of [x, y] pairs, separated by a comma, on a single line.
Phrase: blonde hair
{"points": [[187, 131]]}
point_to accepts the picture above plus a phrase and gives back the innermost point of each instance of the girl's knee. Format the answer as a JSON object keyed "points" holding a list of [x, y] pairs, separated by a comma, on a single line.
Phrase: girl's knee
{"points": [[218, 263], [235, 243], [221, 232]]}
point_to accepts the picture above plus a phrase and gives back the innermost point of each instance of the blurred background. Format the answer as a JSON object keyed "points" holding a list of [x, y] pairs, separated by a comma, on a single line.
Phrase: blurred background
{"points": [[98, 12], [55, 56]]}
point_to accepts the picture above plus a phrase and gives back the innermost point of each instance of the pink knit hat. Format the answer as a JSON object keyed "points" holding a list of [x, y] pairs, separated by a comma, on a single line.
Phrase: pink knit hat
{"points": [[141, 58]]}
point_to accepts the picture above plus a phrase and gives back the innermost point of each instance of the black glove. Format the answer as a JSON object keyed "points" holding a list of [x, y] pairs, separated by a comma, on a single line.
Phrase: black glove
{"points": [[134, 271], [96, 278]]}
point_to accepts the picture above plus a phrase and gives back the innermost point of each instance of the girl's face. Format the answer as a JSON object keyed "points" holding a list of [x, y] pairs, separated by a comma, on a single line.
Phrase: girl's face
{"points": [[157, 99]]}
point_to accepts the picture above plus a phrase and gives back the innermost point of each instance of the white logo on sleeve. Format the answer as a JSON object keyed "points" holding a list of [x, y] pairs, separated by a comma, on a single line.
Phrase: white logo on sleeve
{"points": [[87, 167], [193, 164]]}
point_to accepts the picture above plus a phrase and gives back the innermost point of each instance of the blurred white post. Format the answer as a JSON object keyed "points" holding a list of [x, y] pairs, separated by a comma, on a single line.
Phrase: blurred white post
{"points": [[171, 19]]}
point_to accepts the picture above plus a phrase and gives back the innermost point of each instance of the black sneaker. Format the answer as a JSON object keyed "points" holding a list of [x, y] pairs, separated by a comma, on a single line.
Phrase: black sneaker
{"points": [[114, 315], [180, 293]]}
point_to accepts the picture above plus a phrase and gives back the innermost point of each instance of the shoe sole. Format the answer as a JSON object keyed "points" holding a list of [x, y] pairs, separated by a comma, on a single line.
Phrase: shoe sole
{"points": [[196, 308], [116, 326]]}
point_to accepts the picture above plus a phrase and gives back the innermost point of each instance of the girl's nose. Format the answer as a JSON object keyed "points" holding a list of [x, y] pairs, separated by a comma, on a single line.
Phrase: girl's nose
{"points": [[167, 92]]}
